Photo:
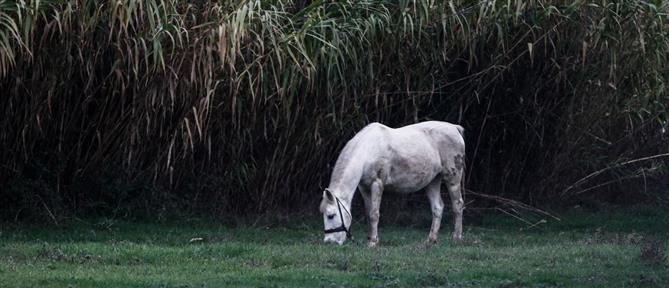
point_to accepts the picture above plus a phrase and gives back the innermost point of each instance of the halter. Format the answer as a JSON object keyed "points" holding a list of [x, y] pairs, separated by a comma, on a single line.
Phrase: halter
{"points": [[341, 228]]}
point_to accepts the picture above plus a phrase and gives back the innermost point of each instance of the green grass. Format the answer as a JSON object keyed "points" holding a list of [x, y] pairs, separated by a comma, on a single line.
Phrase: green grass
{"points": [[583, 250]]}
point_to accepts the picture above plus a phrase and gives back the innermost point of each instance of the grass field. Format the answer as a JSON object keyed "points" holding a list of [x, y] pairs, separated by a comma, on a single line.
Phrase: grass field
{"points": [[622, 249]]}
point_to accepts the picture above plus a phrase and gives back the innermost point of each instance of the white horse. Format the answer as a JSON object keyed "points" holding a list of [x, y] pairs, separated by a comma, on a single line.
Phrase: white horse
{"points": [[402, 160]]}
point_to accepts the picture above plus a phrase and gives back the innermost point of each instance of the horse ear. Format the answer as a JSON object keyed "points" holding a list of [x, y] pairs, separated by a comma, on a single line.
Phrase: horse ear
{"points": [[328, 195]]}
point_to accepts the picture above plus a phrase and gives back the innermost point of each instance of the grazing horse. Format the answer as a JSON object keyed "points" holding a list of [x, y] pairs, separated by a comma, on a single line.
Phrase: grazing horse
{"points": [[402, 160]]}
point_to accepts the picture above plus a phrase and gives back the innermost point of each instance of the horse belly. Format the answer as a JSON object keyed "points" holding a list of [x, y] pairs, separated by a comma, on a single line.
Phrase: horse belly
{"points": [[410, 174]]}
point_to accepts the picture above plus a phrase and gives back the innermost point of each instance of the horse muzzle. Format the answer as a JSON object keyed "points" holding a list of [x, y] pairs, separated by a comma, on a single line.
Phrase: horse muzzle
{"points": [[335, 238]]}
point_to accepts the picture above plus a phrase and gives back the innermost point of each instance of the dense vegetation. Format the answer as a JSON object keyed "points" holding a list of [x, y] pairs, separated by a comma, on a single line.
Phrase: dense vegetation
{"points": [[584, 250], [126, 107]]}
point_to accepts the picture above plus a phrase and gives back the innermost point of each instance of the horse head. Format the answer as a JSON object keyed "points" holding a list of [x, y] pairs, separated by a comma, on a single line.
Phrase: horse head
{"points": [[336, 219]]}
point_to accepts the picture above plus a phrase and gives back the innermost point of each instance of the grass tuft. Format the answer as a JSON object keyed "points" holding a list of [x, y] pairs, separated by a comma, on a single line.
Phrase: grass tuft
{"points": [[653, 253]]}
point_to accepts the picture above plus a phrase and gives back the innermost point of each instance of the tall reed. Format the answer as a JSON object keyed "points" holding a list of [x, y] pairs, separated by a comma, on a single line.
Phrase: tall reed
{"points": [[234, 106]]}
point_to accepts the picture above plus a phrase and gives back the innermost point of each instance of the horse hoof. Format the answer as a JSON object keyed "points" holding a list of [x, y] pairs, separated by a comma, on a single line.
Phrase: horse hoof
{"points": [[372, 244]]}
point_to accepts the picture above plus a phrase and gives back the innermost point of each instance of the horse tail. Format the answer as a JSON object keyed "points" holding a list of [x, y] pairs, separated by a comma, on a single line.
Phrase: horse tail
{"points": [[462, 182], [461, 130]]}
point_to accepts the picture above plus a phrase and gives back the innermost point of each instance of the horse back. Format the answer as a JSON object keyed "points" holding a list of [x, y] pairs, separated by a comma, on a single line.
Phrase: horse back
{"points": [[448, 139]]}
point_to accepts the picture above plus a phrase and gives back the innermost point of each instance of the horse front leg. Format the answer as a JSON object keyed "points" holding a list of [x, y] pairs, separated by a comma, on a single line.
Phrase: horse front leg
{"points": [[367, 197], [376, 191]]}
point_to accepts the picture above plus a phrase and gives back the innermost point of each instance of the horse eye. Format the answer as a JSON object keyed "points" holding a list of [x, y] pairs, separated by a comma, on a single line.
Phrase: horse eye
{"points": [[330, 216]]}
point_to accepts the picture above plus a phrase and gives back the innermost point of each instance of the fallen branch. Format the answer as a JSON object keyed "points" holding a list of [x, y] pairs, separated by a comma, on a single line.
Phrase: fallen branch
{"points": [[513, 203], [593, 174], [604, 184], [46, 207]]}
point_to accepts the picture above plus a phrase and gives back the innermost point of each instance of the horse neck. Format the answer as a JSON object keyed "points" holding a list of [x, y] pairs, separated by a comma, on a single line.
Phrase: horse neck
{"points": [[346, 175]]}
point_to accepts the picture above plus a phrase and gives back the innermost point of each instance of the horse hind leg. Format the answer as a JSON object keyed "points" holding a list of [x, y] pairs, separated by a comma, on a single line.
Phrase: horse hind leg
{"points": [[437, 204], [458, 206]]}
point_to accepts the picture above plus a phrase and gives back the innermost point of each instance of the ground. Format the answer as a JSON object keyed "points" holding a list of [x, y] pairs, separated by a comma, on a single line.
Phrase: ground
{"points": [[585, 249]]}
